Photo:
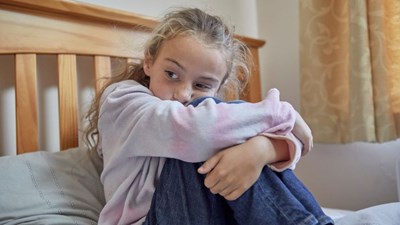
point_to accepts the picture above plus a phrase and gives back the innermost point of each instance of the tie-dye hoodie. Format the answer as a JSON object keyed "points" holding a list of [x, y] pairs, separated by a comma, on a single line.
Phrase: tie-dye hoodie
{"points": [[138, 131]]}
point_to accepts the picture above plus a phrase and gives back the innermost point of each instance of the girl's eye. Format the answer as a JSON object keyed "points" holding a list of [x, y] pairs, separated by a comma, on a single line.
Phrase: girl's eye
{"points": [[172, 75], [203, 86]]}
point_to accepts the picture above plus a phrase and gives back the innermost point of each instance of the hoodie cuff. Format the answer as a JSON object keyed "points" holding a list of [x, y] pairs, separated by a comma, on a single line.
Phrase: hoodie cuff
{"points": [[294, 148]]}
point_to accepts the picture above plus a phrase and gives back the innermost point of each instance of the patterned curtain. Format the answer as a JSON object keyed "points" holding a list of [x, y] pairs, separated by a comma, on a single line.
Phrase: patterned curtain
{"points": [[350, 69]]}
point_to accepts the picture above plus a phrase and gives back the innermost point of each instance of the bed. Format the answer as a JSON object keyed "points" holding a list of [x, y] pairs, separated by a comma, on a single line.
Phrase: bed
{"points": [[77, 46]]}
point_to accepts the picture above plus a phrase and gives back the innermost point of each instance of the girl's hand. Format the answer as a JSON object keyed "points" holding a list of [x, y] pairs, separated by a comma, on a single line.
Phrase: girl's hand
{"points": [[303, 132], [234, 170]]}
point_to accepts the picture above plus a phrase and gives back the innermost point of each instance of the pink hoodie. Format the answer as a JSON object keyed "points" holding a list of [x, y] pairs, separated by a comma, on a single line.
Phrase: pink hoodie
{"points": [[138, 131]]}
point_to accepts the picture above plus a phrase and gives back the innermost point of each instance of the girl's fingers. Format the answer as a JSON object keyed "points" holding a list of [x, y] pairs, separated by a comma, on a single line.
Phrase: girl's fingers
{"points": [[227, 191], [209, 164]]}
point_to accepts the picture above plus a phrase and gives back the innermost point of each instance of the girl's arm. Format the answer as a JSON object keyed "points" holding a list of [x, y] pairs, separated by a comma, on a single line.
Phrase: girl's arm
{"points": [[234, 170], [139, 124]]}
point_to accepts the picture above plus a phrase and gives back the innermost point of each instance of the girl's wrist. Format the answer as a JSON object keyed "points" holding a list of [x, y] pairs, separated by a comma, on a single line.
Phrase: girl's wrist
{"points": [[271, 150]]}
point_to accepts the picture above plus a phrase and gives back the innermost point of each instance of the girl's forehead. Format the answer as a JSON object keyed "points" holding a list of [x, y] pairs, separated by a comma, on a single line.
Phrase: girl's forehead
{"points": [[193, 54], [192, 40]]}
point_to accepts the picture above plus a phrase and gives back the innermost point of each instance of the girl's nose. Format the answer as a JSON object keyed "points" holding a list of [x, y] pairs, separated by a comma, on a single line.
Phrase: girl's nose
{"points": [[183, 94]]}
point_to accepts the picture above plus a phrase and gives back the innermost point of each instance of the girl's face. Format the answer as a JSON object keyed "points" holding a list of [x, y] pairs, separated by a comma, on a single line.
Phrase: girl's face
{"points": [[185, 69]]}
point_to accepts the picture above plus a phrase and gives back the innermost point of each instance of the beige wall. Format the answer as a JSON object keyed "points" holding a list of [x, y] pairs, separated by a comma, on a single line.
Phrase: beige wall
{"points": [[241, 13]]}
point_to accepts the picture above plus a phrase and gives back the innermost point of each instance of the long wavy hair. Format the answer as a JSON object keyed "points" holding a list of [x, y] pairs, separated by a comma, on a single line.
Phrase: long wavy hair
{"points": [[209, 30]]}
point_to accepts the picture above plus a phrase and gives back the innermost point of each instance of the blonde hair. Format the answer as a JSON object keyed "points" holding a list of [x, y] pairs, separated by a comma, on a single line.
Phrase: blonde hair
{"points": [[209, 30]]}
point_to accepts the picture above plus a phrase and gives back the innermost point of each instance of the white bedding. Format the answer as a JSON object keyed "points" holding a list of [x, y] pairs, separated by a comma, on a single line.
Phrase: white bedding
{"points": [[385, 214], [335, 214]]}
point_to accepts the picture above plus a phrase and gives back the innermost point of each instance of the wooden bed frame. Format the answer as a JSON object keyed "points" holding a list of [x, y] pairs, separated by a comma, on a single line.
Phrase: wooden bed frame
{"points": [[69, 29]]}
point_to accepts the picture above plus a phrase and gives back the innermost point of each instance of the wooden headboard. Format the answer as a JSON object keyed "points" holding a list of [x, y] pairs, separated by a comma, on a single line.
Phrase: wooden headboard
{"points": [[69, 29]]}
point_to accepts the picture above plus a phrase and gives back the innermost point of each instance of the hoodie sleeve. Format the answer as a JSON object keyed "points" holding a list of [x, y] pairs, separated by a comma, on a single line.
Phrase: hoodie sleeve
{"points": [[294, 147], [135, 123]]}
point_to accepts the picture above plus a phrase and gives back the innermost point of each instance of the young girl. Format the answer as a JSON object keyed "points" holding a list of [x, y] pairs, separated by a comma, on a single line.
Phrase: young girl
{"points": [[153, 138]]}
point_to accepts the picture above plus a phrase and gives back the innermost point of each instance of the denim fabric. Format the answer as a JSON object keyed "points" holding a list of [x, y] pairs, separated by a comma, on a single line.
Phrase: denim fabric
{"points": [[274, 199], [278, 198], [197, 101], [182, 198]]}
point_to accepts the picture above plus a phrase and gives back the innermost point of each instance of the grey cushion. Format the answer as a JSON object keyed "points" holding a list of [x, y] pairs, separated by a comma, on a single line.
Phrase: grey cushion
{"points": [[51, 188]]}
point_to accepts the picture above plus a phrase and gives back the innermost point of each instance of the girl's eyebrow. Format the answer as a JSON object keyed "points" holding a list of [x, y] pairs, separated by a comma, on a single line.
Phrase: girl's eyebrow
{"points": [[210, 79], [176, 63]]}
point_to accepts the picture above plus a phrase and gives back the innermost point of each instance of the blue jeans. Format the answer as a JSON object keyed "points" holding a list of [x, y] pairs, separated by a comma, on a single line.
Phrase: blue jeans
{"points": [[274, 199]]}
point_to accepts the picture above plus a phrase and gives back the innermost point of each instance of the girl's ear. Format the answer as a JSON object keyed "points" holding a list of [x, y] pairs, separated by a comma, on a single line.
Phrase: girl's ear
{"points": [[147, 63]]}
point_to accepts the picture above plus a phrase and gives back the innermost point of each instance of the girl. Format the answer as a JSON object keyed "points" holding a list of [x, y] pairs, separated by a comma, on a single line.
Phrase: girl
{"points": [[152, 138]]}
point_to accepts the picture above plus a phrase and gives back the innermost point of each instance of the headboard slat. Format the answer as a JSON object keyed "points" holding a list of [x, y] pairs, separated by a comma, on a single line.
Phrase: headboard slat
{"points": [[102, 69], [26, 103], [68, 106], [252, 91]]}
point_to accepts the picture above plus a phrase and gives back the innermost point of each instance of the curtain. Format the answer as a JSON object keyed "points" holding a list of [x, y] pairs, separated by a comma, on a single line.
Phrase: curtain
{"points": [[350, 69]]}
